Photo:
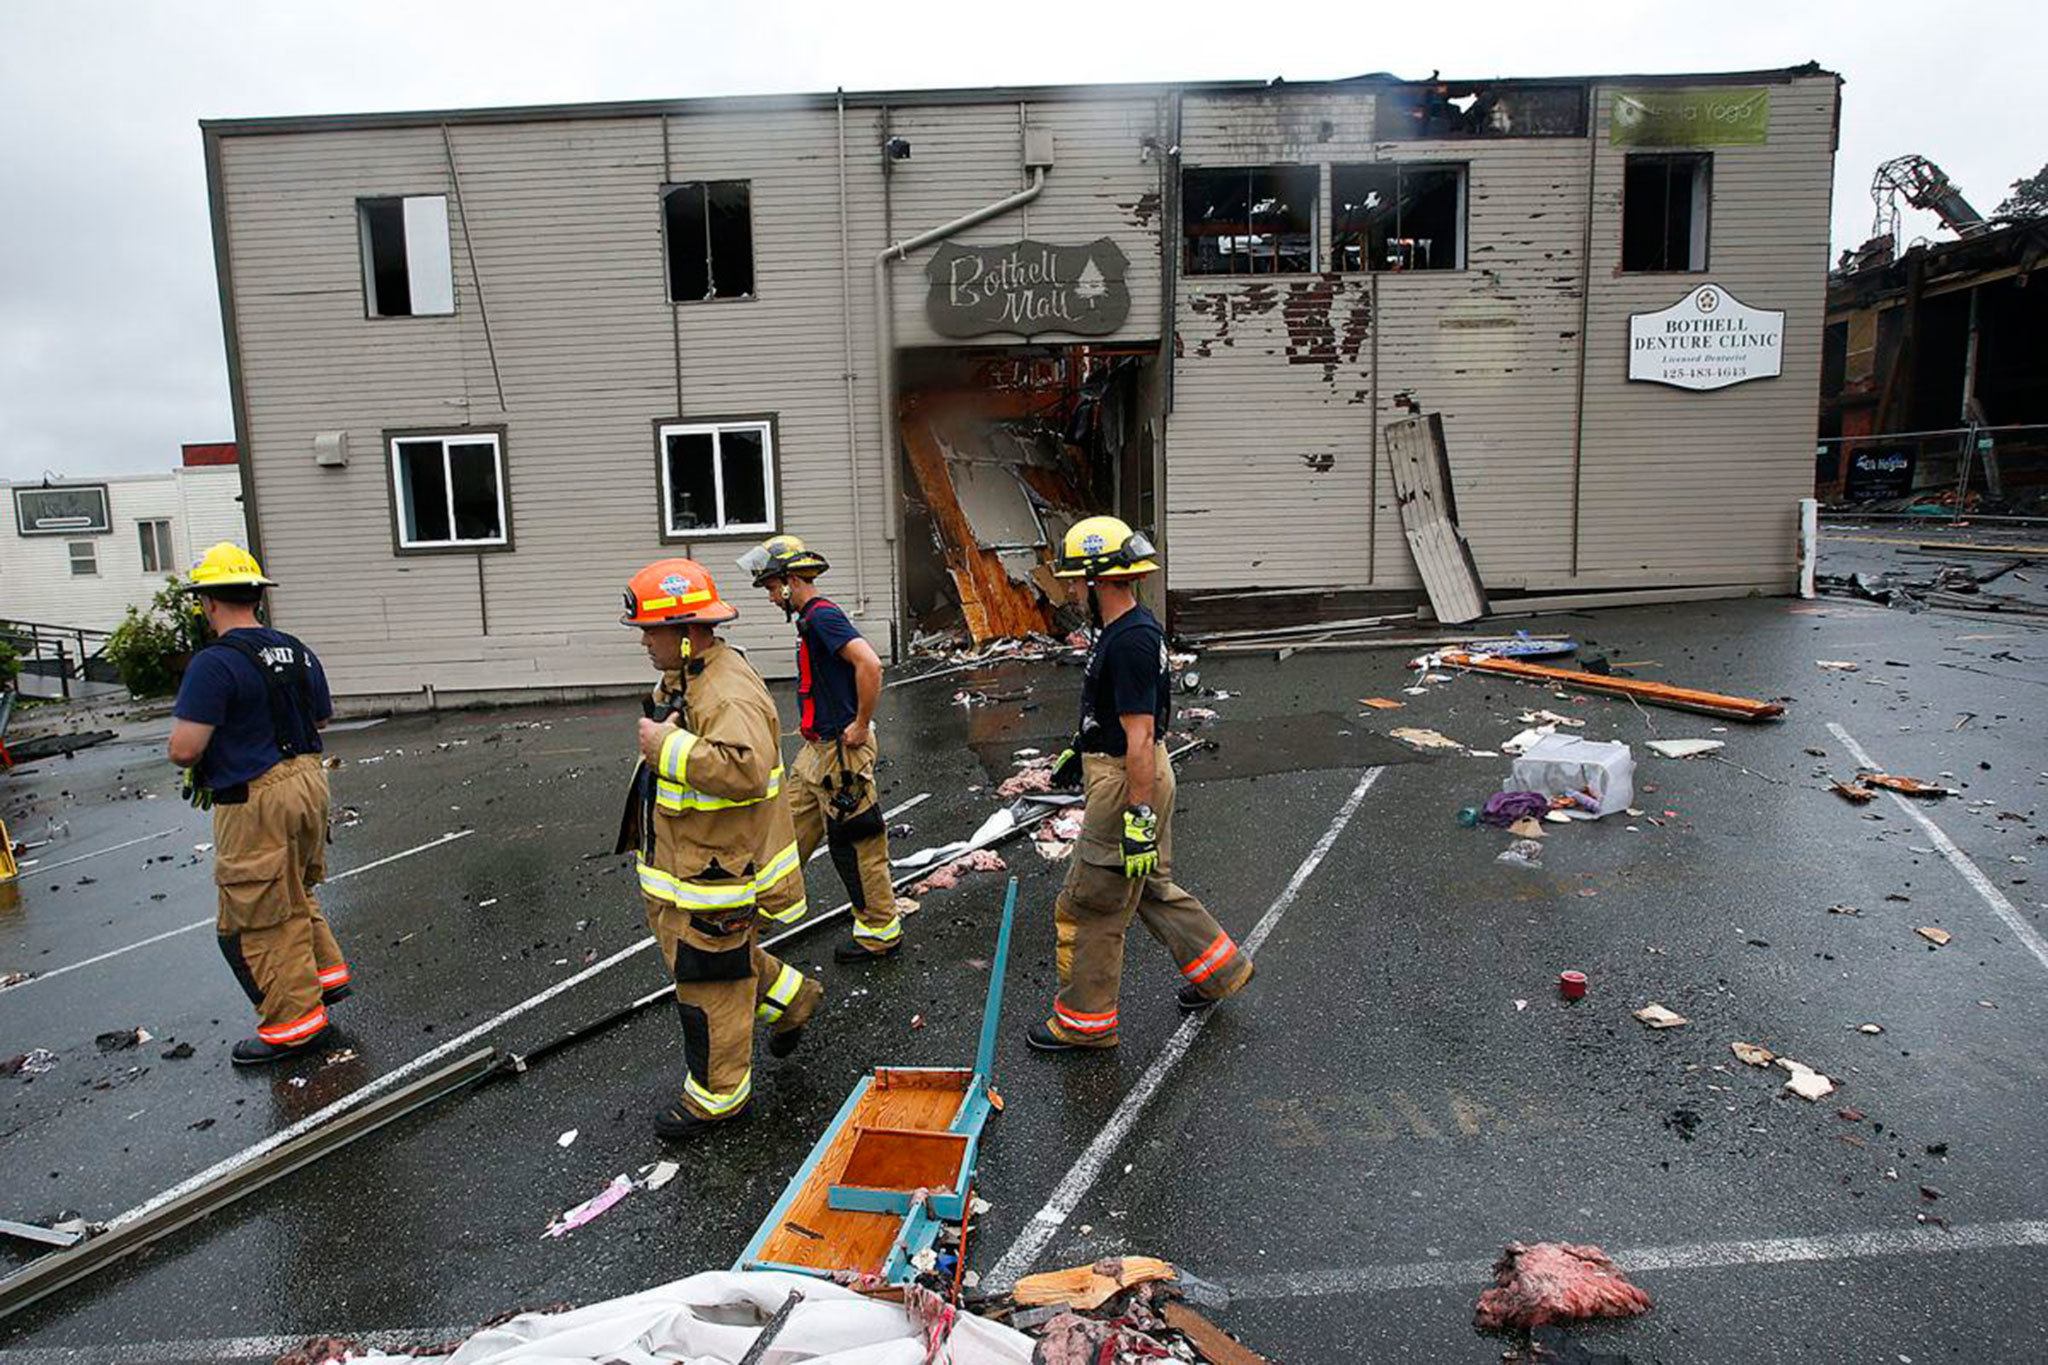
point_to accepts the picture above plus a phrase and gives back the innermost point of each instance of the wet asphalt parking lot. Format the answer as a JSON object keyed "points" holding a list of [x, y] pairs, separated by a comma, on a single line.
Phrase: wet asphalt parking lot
{"points": [[1345, 1146]]}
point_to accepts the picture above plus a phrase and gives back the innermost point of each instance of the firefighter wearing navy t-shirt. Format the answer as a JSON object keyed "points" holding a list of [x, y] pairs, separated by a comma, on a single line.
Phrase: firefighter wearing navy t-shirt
{"points": [[1123, 861], [832, 794], [246, 729]]}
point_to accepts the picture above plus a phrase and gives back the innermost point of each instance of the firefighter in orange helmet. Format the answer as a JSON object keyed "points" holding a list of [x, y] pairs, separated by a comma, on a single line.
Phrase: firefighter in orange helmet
{"points": [[704, 824]]}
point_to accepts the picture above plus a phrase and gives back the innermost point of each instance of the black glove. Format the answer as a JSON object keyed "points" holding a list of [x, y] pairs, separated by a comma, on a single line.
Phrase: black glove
{"points": [[1066, 769]]}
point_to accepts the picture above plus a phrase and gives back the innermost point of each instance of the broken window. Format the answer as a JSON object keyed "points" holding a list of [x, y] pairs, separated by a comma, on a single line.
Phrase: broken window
{"points": [[1249, 220], [85, 559], [1664, 199], [156, 545], [708, 226], [1398, 216], [1448, 110], [407, 271], [61, 511], [450, 491], [717, 476]]}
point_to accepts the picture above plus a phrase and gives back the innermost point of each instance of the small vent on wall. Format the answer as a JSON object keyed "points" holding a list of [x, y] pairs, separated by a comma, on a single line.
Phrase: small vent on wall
{"points": [[330, 448]]}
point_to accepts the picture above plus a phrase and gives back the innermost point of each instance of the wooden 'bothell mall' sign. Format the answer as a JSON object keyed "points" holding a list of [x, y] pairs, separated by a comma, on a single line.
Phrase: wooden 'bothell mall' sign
{"points": [[1028, 287]]}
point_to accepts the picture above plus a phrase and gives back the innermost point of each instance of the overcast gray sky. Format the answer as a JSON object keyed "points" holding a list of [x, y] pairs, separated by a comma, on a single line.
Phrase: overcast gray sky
{"points": [[110, 349]]}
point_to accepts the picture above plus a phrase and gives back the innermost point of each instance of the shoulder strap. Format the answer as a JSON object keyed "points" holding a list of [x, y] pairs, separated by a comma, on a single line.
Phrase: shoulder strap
{"points": [[276, 678]]}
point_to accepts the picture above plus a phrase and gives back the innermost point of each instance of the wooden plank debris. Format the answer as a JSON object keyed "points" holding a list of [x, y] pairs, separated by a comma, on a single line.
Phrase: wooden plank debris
{"points": [[1429, 518], [1089, 1286], [1658, 694]]}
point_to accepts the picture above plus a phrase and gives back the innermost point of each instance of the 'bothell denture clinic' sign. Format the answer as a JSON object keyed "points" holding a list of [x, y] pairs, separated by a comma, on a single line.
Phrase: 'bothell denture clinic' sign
{"points": [[1707, 340], [1026, 288]]}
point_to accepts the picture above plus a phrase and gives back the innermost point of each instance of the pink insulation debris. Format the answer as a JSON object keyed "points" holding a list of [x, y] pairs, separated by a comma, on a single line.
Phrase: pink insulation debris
{"points": [[1555, 1282], [1035, 778], [948, 877]]}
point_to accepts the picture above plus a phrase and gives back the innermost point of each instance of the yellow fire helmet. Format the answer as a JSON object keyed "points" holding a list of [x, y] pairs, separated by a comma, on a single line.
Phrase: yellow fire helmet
{"points": [[227, 565], [1104, 547], [782, 557]]}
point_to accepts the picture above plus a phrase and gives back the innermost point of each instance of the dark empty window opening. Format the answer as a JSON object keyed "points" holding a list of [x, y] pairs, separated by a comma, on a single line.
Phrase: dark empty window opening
{"points": [[450, 491], [1257, 220], [708, 226], [1664, 200], [1392, 216], [407, 271], [1446, 109], [717, 476]]}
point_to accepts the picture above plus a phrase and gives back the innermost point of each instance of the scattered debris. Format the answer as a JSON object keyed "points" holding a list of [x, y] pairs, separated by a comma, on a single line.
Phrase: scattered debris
{"points": [[178, 1053], [1658, 1017], [1870, 1028], [1938, 937], [1522, 853], [1843, 910], [8, 979], [654, 1175], [1089, 1286], [1571, 985], [1552, 1282], [31, 1063], [1596, 775], [1381, 703], [1806, 1083], [1505, 808], [571, 1219], [565, 1139], [1684, 748], [1838, 665], [1909, 786], [1852, 791], [1034, 779], [1426, 740], [120, 1040], [1528, 828], [1754, 1054], [948, 877], [1659, 694]]}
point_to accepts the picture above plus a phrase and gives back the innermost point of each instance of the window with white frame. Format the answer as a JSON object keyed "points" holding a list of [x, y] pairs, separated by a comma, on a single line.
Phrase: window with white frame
{"points": [[448, 491], [717, 477], [407, 271], [85, 559], [155, 535]]}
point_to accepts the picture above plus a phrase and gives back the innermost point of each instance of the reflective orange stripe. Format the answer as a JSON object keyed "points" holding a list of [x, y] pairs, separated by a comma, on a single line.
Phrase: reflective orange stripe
{"points": [[334, 976], [1213, 956], [305, 1026], [1084, 1023]]}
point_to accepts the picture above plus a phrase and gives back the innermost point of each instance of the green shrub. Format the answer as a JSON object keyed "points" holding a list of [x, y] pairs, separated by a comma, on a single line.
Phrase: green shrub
{"points": [[152, 645], [10, 657]]}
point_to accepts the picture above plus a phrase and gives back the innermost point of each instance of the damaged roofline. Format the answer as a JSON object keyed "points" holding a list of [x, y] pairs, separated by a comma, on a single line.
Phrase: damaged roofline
{"points": [[876, 99]]}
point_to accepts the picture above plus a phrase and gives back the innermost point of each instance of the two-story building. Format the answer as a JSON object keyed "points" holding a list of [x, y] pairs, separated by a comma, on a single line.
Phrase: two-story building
{"points": [[486, 363]]}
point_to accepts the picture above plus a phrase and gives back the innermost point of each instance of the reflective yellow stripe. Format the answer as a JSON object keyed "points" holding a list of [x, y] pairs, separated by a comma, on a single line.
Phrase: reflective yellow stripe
{"points": [[714, 1104], [888, 933], [675, 755], [780, 995], [674, 796], [789, 914], [695, 895], [780, 866]]}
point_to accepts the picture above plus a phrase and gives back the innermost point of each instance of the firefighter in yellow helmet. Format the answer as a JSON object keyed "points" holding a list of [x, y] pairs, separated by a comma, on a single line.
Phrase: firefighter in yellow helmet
{"points": [[246, 729], [832, 794], [1123, 861], [707, 827]]}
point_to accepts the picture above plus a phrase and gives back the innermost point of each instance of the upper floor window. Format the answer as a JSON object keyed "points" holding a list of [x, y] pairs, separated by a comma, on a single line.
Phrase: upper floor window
{"points": [[1664, 202], [155, 535], [1249, 220], [407, 271], [85, 559], [1398, 216], [449, 491], [708, 226], [717, 476]]}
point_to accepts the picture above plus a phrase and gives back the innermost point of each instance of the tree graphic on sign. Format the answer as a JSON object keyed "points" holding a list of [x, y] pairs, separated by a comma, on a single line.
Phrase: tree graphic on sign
{"points": [[1089, 284]]}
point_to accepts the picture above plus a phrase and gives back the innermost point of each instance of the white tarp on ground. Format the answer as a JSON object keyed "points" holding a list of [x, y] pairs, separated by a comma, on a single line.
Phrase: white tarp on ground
{"points": [[713, 1318]]}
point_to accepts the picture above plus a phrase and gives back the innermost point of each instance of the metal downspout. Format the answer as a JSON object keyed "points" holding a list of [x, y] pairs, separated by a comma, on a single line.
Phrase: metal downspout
{"points": [[885, 338], [860, 530]]}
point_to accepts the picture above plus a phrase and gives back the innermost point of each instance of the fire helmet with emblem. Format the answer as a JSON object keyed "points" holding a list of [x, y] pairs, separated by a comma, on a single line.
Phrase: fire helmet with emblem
{"points": [[675, 592], [1104, 547]]}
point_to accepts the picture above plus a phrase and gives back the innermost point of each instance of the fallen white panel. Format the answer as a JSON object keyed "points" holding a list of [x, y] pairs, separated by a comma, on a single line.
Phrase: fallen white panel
{"points": [[1429, 518]]}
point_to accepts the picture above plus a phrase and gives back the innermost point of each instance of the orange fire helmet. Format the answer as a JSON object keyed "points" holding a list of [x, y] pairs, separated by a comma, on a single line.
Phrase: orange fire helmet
{"points": [[675, 592]]}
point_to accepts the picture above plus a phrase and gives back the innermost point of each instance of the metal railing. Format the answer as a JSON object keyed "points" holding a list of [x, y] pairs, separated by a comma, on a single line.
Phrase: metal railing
{"points": [[62, 654], [1953, 470]]}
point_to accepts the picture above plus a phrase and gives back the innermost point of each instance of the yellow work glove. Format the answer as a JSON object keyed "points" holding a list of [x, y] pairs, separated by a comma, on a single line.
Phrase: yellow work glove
{"points": [[194, 790], [1140, 842]]}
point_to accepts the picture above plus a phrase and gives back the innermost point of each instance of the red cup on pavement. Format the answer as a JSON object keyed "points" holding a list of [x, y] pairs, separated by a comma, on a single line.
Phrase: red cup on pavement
{"points": [[1572, 985]]}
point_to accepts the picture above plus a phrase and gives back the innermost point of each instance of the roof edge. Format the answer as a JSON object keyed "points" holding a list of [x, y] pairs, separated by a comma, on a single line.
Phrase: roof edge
{"points": [[875, 99]]}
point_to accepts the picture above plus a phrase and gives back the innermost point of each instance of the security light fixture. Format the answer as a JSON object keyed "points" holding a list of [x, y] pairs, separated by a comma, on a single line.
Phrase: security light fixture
{"points": [[897, 149]]}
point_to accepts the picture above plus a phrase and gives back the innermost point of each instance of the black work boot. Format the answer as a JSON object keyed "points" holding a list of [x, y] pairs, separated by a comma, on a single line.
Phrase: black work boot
{"points": [[1044, 1039], [678, 1124], [852, 953], [1192, 1001], [256, 1052], [789, 1030]]}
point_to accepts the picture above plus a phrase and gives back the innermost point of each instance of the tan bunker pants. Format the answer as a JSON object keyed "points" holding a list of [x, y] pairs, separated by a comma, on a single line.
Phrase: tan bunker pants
{"points": [[859, 842], [1095, 906], [268, 855]]}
